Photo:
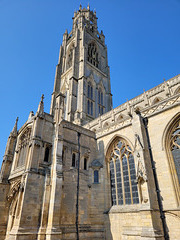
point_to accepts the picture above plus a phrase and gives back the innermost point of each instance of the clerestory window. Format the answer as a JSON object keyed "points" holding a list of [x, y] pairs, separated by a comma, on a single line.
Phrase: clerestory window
{"points": [[122, 174], [93, 55]]}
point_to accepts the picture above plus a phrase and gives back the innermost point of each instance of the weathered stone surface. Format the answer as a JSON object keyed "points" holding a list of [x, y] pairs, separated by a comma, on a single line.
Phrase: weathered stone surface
{"points": [[39, 174]]}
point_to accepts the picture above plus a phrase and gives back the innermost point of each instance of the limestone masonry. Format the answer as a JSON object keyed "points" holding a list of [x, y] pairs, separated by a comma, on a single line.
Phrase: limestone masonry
{"points": [[87, 171]]}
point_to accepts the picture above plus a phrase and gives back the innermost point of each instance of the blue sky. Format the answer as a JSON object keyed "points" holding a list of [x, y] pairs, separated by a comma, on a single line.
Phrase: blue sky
{"points": [[143, 48]]}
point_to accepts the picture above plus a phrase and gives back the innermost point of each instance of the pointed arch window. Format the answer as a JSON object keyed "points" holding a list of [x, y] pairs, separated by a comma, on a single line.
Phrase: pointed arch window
{"points": [[175, 148], [172, 146], [69, 57], [93, 54], [23, 147], [122, 174]]}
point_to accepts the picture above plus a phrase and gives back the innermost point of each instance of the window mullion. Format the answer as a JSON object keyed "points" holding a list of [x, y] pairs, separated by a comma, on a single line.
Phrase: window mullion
{"points": [[122, 180], [114, 161], [130, 186]]}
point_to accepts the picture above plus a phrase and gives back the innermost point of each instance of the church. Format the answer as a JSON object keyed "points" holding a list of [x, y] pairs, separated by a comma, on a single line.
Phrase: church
{"points": [[88, 171]]}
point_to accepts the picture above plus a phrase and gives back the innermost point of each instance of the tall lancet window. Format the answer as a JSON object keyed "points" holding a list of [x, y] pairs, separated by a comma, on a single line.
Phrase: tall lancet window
{"points": [[100, 101], [122, 174], [175, 148], [93, 55], [23, 147], [69, 57], [90, 99]]}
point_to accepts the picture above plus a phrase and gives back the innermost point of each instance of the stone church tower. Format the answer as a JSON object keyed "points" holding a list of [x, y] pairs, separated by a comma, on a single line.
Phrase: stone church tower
{"points": [[82, 73], [87, 171]]}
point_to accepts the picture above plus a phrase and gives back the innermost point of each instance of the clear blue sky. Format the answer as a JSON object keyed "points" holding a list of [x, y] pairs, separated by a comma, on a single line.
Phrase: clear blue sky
{"points": [[143, 39]]}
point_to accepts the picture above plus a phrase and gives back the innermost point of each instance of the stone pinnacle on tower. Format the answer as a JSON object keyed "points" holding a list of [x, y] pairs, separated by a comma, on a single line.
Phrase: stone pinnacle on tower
{"points": [[14, 131]]}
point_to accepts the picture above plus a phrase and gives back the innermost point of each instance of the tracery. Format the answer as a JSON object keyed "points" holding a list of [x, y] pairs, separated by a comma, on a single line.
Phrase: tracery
{"points": [[93, 54], [122, 174], [175, 147]]}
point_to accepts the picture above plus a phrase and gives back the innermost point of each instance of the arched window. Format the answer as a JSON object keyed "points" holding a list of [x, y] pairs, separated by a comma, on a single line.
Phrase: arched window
{"points": [[90, 99], [69, 57], [122, 174], [100, 101], [73, 160], [96, 176], [175, 148], [172, 146], [92, 55], [85, 163], [46, 156], [23, 147]]}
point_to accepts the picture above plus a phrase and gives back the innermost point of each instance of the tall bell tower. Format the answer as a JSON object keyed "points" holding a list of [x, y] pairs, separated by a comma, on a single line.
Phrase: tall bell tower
{"points": [[82, 74]]}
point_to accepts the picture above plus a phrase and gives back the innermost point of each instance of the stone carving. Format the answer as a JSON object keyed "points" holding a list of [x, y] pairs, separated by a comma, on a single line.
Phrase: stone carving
{"points": [[14, 189], [129, 110], [141, 171], [145, 97], [166, 88]]}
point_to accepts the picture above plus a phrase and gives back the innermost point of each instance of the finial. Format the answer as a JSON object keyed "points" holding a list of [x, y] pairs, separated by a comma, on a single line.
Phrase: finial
{"points": [[31, 114], [166, 88], [40, 110], [14, 131], [80, 7], [88, 7], [145, 97], [42, 98], [128, 108], [95, 11]]}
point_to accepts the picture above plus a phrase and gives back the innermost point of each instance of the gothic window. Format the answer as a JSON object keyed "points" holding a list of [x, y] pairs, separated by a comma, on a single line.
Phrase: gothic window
{"points": [[100, 101], [90, 99], [23, 147], [93, 55], [175, 148], [122, 174], [69, 57], [96, 176], [46, 156], [73, 160]]}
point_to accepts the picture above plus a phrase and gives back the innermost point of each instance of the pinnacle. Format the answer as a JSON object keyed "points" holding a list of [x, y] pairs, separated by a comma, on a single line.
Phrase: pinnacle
{"points": [[40, 110], [14, 131]]}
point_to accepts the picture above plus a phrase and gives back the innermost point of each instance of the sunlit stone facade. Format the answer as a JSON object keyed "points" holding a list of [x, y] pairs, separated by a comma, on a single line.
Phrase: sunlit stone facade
{"points": [[87, 171]]}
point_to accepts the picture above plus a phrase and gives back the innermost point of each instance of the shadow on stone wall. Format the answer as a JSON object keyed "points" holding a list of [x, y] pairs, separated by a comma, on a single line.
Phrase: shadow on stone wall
{"points": [[107, 192]]}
